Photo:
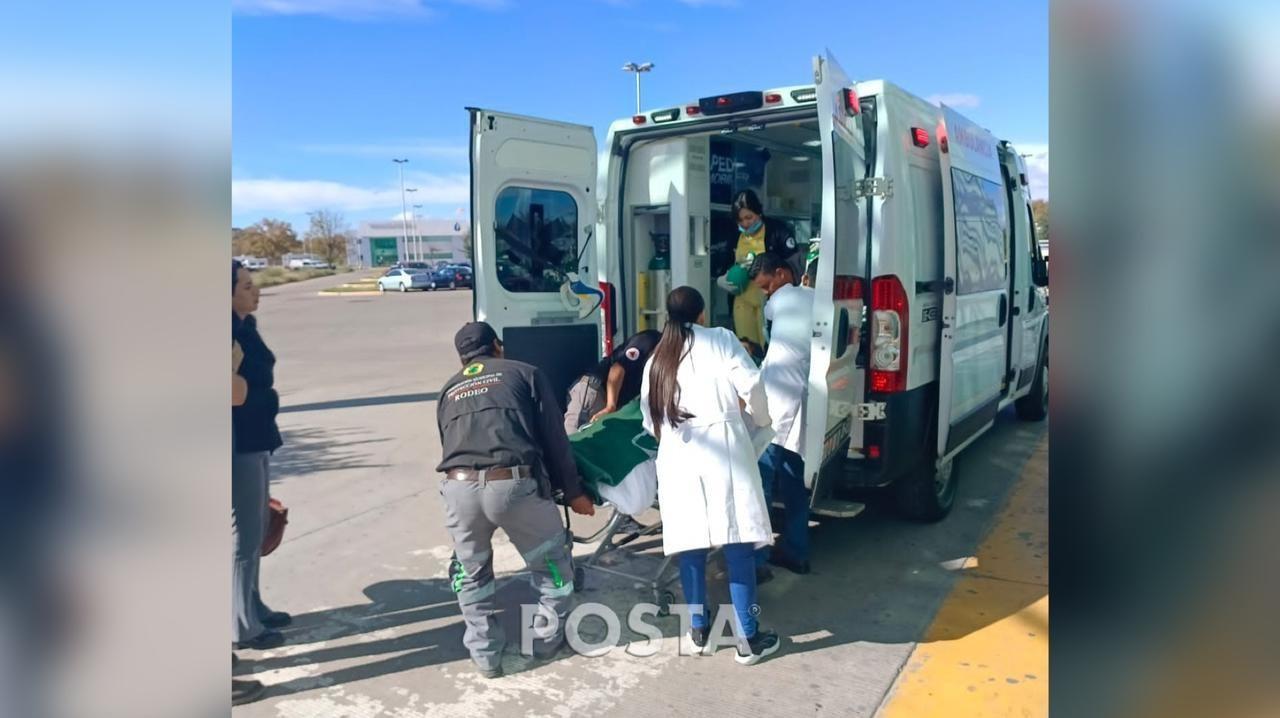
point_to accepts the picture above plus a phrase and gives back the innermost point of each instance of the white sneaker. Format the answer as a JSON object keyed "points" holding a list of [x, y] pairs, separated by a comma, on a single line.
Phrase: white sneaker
{"points": [[764, 643]]}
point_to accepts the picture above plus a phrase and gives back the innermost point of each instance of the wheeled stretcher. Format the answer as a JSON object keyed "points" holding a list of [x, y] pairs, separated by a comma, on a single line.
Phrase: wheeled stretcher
{"points": [[615, 460]]}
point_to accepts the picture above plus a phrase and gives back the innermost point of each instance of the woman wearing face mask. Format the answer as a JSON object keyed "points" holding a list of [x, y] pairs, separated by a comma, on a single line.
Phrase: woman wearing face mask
{"points": [[693, 396], [757, 234]]}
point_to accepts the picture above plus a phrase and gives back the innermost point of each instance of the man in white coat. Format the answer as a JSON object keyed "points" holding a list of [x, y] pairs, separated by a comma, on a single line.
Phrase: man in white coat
{"points": [[788, 314]]}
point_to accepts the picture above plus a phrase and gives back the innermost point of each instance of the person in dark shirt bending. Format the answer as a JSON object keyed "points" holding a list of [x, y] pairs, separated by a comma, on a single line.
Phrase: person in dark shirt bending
{"points": [[504, 451]]}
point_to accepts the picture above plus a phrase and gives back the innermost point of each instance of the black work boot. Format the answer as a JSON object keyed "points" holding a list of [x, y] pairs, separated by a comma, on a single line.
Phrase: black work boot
{"points": [[245, 691]]}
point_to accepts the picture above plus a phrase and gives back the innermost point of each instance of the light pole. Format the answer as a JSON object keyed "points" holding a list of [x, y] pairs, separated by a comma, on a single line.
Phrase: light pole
{"points": [[305, 243], [417, 232], [414, 221], [637, 69], [404, 209]]}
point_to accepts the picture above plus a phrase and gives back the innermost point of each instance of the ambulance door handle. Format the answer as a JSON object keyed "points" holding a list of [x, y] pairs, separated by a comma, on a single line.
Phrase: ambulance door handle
{"points": [[1004, 308], [948, 286]]}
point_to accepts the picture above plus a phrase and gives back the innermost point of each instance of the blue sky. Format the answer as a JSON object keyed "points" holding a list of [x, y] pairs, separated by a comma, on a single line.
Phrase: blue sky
{"points": [[326, 92]]}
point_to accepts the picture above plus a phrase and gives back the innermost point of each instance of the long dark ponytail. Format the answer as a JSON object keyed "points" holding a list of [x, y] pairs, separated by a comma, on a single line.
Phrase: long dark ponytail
{"points": [[684, 306]]}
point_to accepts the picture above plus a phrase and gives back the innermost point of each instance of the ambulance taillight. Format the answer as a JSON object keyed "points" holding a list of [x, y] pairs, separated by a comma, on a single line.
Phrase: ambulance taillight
{"points": [[890, 318], [847, 287]]}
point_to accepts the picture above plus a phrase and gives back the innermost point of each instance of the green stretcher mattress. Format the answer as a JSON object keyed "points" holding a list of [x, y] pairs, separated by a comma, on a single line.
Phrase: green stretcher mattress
{"points": [[608, 450]]}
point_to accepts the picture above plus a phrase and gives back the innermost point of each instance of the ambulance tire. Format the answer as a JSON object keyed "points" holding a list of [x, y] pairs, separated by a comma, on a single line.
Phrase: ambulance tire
{"points": [[926, 494], [1035, 405]]}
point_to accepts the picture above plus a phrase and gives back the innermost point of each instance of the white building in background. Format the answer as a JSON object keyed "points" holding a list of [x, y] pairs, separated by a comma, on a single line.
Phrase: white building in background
{"points": [[380, 244]]}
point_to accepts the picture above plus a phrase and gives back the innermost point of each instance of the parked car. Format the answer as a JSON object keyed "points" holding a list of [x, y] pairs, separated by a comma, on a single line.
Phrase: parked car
{"points": [[450, 276], [253, 264], [404, 279], [307, 263]]}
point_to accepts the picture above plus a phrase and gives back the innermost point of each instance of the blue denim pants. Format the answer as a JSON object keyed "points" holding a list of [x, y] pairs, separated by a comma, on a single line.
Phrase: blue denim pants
{"points": [[742, 585], [784, 469]]}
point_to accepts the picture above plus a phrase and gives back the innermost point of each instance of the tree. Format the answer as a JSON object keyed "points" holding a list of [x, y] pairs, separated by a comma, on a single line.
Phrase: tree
{"points": [[1040, 215], [268, 238], [466, 241], [328, 235], [239, 242]]}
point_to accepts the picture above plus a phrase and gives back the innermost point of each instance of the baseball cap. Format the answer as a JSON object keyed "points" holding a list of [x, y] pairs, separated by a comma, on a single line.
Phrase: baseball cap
{"points": [[474, 339]]}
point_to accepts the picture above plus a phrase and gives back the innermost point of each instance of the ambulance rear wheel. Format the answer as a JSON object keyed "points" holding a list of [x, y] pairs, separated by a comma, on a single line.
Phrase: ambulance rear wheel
{"points": [[1035, 406], [927, 493]]}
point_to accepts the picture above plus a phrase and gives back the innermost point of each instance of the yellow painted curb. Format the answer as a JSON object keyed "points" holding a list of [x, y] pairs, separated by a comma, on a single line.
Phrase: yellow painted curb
{"points": [[987, 651]]}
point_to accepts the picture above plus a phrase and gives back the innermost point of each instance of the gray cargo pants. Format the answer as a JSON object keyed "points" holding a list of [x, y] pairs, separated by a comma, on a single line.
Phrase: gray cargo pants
{"points": [[249, 496], [473, 510]]}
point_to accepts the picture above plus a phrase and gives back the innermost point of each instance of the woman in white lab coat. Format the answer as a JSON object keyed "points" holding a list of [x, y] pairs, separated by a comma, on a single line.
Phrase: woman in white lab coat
{"points": [[698, 394]]}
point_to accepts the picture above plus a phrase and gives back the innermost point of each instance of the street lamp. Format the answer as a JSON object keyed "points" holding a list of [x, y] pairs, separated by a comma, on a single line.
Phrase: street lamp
{"points": [[310, 215], [416, 232], [637, 69], [404, 210], [415, 226]]}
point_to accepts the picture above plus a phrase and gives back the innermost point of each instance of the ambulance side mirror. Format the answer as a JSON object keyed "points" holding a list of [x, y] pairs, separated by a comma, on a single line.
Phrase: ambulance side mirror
{"points": [[1040, 272]]}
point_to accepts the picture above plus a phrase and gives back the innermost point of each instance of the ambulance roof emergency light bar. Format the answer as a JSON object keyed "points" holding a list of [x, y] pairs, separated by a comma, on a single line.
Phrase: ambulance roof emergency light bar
{"points": [[637, 69]]}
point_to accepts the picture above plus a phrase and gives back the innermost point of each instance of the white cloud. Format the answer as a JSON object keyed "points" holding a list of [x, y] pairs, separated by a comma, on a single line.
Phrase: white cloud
{"points": [[346, 9], [297, 196], [433, 149], [354, 9], [957, 100], [1036, 155]]}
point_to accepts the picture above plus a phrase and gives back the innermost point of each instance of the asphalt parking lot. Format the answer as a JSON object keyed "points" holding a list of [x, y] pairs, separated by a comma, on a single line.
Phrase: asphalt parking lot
{"points": [[362, 569]]}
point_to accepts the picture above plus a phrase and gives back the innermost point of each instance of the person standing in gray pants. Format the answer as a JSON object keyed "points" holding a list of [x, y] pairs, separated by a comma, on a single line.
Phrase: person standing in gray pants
{"points": [[254, 437], [504, 449]]}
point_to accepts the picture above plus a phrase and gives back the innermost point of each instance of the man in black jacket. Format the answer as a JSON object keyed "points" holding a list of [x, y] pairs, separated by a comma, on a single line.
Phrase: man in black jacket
{"points": [[504, 450]]}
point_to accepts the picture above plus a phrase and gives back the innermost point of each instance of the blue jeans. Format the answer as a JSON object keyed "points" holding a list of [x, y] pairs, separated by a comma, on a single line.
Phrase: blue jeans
{"points": [[742, 585], [786, 469]]}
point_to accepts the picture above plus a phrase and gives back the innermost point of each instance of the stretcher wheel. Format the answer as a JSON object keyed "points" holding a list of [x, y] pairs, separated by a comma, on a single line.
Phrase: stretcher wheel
{"points": [[579, 578]]}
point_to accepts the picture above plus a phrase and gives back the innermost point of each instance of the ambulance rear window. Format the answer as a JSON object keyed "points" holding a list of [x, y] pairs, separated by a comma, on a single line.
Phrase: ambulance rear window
{"points": [[535, 232]]}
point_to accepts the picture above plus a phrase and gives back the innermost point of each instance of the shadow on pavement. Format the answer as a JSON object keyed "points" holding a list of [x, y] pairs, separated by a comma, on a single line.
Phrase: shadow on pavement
{"points": [[396, 605], [363, 401], [876, 579], [392, 604], [313, 450]]}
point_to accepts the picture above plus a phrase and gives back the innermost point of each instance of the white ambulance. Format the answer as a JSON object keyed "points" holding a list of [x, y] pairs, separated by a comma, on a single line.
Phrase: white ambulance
{"points": [[930, 314]]}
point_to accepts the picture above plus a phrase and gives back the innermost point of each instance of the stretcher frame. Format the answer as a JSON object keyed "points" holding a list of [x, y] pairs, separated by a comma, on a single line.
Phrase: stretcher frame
{"points": [[619, 531]]}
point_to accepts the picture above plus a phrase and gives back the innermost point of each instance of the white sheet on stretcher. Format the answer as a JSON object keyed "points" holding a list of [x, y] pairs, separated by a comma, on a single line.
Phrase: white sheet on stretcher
{"points": [[638, 490]]}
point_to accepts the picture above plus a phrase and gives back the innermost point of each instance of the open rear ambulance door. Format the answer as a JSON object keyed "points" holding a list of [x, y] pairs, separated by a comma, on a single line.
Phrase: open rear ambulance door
{"points": [[533, 217], [838, 296], [975, 300]]}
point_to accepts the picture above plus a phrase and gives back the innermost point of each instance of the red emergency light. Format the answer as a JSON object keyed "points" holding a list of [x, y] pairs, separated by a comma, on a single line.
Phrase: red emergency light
{"points": [[692, 110], [772, 98], [919, 137], [851, 101], [638, 119]]}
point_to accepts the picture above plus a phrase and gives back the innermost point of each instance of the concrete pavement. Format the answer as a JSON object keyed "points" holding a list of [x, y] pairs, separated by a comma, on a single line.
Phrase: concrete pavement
{"points": [[362, 568]]}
